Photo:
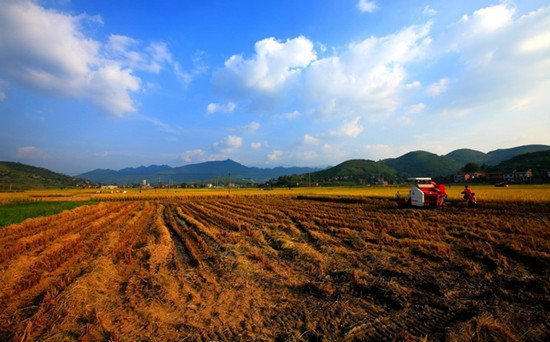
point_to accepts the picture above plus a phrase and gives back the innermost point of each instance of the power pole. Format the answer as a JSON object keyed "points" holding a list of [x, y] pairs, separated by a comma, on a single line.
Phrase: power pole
{"points": [[309, 180], [229, 187]]}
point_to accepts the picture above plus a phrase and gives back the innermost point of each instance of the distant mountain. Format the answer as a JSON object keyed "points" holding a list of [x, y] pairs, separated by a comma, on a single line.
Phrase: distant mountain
{"points": [[538, 162], [19, 176], [355, 171], [423, 164], [497, 156], [464, 156], [206, 171]]}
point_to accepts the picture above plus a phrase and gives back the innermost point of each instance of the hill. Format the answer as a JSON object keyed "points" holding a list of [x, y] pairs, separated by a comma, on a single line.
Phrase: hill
{"points": [[423, 164], [355, 171], [17, 176], [206, 171], [464, 156], [413, 164], [497, 156], [538, 162]]}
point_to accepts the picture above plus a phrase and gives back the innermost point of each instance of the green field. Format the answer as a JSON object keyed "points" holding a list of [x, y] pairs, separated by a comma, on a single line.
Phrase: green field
{"points": [[17, 212]]}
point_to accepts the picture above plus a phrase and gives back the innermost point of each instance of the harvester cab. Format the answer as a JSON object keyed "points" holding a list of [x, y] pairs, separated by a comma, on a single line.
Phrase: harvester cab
{"points": [[426, 193]]}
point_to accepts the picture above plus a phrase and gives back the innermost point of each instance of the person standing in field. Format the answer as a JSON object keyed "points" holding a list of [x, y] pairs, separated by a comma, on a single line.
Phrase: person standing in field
{"points": [[468, 195]]}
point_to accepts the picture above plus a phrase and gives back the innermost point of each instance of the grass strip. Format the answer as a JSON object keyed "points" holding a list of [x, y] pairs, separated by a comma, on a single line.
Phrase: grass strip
{"points": [[16, 212]]}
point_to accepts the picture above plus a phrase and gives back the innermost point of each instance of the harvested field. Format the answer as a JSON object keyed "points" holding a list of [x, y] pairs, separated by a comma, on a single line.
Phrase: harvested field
{"points": [[275, 267]]}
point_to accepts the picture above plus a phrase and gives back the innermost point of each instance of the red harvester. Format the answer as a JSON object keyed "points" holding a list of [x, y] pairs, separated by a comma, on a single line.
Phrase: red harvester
{"points": [[425, 193]]}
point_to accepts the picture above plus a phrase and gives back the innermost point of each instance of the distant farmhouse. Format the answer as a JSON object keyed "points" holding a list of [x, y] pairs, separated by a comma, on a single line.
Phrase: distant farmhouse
{"points": [[495, 177], [109, 187]]}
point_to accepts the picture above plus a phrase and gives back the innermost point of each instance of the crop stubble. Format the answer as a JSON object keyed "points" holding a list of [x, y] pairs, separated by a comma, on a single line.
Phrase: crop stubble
{"points": [[256, 267]]}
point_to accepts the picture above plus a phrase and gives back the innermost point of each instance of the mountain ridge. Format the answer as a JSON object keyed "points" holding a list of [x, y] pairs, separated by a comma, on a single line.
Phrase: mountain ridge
{"points": [[204, 171], [16, 176], [416, 164]]}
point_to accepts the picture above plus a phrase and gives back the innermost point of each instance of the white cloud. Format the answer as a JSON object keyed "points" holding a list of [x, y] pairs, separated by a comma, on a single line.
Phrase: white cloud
{"points": [[233, 141], [365, 78], [252, 126], [499, 58], [162, 126], [413, 85], [429, 11], [256, 145], [416, 108], [536, 43], [405, 120], [30, 152], [505, 68], [522, 103], [351, 128], [489, 19], [153, 58], [290, 115], [438, 88], [366, 6], [48, 50], [272, 66], [193, 155], [456, 113], [213, 107], [275, 155], [310, 139]]}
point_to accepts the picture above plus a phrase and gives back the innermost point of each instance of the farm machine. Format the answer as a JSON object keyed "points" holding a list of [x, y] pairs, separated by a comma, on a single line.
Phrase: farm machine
{"points": [[424, 193], [427, 193]]}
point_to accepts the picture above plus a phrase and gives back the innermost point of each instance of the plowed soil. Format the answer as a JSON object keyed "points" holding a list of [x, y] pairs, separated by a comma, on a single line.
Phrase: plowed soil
{"points": [[270, 267]]}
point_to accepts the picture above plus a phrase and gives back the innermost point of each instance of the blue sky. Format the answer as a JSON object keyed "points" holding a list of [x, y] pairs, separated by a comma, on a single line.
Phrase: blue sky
{"points": [[110, 84]]}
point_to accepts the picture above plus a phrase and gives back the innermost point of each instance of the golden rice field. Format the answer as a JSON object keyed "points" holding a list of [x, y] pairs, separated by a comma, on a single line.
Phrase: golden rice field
{"points": [[306, 264], [277, 268], [529, 193]]}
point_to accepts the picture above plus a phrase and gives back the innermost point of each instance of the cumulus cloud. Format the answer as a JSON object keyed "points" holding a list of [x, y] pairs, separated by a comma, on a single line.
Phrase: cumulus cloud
{"points": [[501, 70], [289, 115], [252, 126], [508, 58], [256, 145], [272, 66], [310, 139], [536, 43], [213, 107], [429, 11], [366, 6], [153, 58], [193, 155], [438, 88], [364, 78], [416, 108], [233, 141], [351, 128], [368, 75], [48, 50], [275, 155], [489, 19]]}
